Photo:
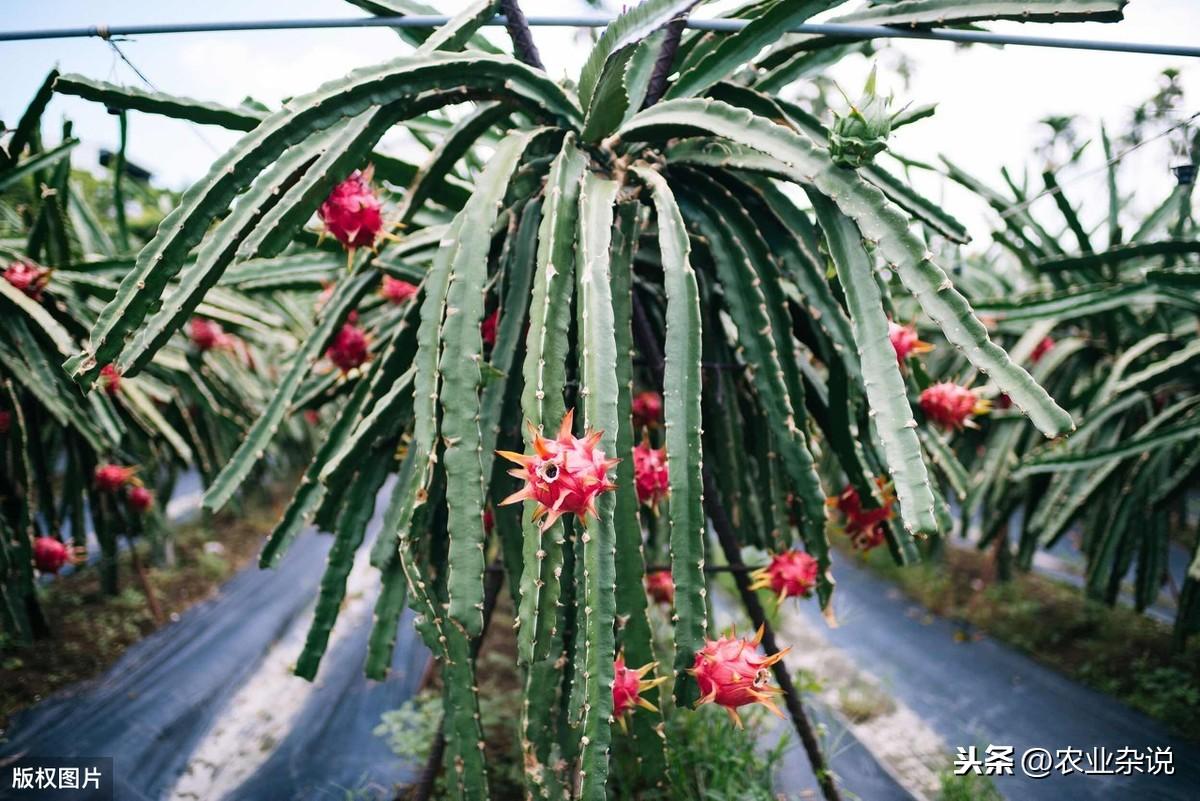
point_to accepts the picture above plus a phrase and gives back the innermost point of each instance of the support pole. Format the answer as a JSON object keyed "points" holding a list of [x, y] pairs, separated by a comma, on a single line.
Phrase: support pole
{"points": [[518, 29], [665, 61], [758, 617]]}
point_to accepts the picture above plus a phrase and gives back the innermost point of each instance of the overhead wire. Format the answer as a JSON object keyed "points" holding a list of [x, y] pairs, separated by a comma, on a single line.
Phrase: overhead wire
{"points": [[829, 29]]}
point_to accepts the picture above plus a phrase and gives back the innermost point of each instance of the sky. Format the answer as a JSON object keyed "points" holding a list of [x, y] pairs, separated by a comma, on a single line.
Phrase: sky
{"points": [[989, 99]]}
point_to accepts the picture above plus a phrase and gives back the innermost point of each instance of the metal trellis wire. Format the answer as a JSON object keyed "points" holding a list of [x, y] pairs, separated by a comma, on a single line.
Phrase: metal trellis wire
{"points": [[834, 30]]}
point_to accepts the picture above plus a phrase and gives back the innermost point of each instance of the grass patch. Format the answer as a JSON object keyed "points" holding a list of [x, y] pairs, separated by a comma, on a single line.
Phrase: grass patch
{"points": [[1112, 649], [715, 761], [92, 630], [861, 701], [969, 787]]}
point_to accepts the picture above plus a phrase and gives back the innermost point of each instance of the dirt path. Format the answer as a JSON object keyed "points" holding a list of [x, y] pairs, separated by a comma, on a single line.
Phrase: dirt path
{"points": [[215, 688], [979, 692]]}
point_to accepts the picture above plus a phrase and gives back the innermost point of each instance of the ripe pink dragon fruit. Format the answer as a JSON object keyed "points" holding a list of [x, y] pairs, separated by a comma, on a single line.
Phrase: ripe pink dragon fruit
{"points": [[628, 686], [28, 278], [732, 673], [207, 335], [352, 213], [140, 499], [952, 406], [1043, 347], [905, 341], [5, 421], [865, 527], [487, 328], [397, 291], [112, 477], [110, 380], [563, 475], [791, 574], [650, 475], [647, 409], [489, 520], [349, 347], [49, 554], [660, 586]]}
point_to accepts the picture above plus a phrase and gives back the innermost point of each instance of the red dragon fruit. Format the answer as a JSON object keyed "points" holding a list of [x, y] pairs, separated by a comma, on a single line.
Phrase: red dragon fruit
{"points": [[791, 574], [112, 477], [650, 475], [628, 686], [563, 475], [905, 341], [397, 291], [349, 347], [952, 406], [207, 335], [660, 586], [1043, 347], [28, 278], [489, 520], [110, 380], [140, 499], [732, 673], [49, 554], [352, 213], [487, 328], [865, 527], [647, 409]]}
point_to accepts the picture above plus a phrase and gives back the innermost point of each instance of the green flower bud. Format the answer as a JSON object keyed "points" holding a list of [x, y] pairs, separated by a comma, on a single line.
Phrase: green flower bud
{"points": [[861, 133]]}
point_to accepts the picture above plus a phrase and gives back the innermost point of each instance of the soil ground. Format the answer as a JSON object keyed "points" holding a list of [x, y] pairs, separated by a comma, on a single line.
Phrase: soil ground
{"points": [[1112, 649], [92, 630]]}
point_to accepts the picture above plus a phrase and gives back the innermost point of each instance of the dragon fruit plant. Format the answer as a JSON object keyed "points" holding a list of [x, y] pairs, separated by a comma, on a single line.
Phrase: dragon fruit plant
{"points": [[1104, 316], [628, 233], [187, 409]]}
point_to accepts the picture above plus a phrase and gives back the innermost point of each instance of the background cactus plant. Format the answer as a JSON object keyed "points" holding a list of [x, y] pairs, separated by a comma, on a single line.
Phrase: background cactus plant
{"points": [[707, 247], [64, 247], [1104, 315]]}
